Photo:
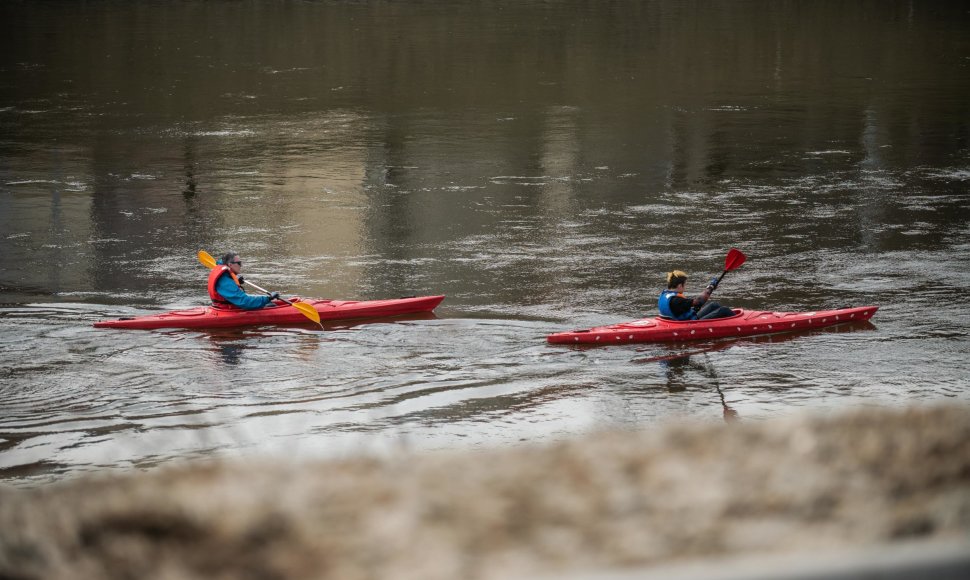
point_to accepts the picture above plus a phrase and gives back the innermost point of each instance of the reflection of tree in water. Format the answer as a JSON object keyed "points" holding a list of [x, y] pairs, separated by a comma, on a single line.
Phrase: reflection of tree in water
{"points": [[190, 183]]}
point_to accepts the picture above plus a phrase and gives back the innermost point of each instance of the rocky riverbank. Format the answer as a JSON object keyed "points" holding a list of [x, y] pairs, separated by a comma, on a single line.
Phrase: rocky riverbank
{"points": [[608, 501]]}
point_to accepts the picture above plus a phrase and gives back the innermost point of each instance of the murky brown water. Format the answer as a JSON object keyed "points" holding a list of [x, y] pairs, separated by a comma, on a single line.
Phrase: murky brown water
{"points": [[540, 163]]}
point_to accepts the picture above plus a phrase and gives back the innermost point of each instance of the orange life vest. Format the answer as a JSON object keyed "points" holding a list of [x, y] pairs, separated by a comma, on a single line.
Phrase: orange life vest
{"points": [[214, 275]]}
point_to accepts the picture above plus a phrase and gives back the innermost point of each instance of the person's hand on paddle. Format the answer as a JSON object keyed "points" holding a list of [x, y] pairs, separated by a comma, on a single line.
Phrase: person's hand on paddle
{"points": [[713, 285], [274, 296]]}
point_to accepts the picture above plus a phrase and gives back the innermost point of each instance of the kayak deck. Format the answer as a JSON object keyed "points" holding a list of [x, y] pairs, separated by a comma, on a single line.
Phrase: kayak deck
{"points": [[281, 314], [743, 323]]}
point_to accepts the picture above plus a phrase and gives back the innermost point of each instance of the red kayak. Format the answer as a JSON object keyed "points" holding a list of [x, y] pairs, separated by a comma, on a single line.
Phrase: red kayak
{"points": [[743, 323], [208, 317]]}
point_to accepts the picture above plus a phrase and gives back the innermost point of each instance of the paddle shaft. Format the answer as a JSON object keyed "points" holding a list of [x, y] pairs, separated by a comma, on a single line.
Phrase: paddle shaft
{"points": [[301, 307], [265, 291]]}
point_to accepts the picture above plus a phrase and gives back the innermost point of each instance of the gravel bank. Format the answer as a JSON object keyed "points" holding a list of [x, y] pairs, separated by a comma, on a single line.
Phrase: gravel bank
{"points": [[602, 503]]}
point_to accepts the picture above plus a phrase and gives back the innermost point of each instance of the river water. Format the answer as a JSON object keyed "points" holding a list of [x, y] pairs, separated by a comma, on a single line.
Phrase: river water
{"points": [[540, 163]]}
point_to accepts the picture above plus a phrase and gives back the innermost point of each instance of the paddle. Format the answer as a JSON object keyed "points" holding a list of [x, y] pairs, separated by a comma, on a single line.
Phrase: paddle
{"points": [[305, 309], [733, 261]]}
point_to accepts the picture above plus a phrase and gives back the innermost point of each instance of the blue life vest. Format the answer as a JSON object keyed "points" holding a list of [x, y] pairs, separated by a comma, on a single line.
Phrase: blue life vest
{"points": [[663, 304]]}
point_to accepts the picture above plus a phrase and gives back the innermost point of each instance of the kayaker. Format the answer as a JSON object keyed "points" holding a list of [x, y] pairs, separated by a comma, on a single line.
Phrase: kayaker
{"points": [[225, 286], [673, 304]]}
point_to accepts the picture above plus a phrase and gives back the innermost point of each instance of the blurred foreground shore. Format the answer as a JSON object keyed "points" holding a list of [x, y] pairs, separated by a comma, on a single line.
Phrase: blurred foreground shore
{"points": [[870, 483]]}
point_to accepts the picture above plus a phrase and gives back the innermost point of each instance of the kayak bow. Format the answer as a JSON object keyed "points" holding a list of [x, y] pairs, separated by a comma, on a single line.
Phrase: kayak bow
{"points": [[743, 323]]}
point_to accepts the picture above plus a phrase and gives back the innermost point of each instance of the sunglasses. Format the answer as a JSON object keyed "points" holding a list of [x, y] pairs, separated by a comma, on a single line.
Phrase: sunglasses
{"points": [[237, 262]]}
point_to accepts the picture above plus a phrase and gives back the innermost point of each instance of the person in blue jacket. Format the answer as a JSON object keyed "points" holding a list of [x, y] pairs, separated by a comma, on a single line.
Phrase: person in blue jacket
{"points": [[673, 304], [225, 286]]}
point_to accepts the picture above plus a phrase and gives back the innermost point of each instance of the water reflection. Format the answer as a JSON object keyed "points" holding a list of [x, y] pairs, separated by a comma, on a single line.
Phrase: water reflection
{"points": [[190, 169], [229, 346], [680, 371], [367, 174], [303, 341], [686, 366]]}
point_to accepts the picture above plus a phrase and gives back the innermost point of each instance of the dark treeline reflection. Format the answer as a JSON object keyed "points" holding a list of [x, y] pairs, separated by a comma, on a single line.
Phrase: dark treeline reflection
{"points": [[810, 71], [192, 60], [135, 132]]}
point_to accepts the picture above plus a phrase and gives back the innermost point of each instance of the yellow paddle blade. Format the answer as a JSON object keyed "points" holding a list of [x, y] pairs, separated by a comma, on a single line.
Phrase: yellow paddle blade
{"points": [[307, 310], [207, 260]]}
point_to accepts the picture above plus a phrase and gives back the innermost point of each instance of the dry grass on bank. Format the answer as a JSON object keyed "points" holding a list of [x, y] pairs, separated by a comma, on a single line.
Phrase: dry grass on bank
{"points": [[600, 502]]}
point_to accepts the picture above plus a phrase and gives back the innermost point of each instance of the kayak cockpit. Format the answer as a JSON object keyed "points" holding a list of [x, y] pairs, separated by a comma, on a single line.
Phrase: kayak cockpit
{"points": [[737, 312]]}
